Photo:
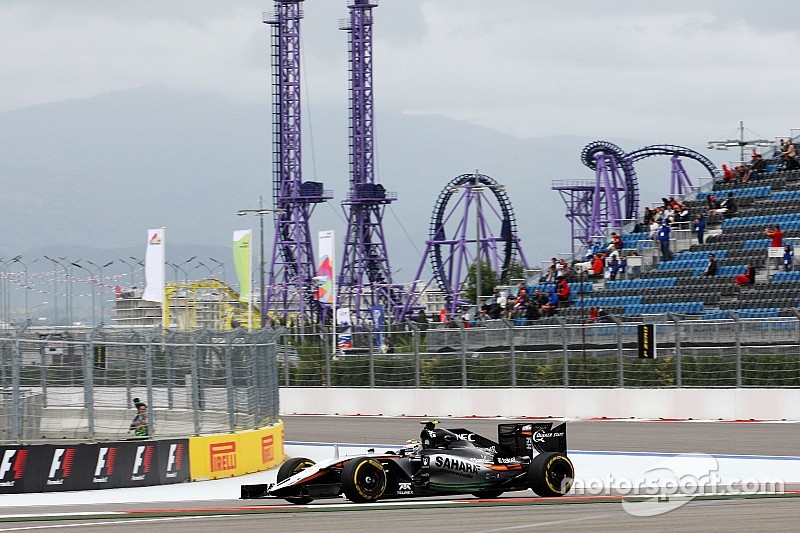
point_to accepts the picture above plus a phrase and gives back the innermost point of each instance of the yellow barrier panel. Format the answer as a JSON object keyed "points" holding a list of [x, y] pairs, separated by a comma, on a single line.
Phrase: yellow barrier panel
{"points": [[235, 454]]}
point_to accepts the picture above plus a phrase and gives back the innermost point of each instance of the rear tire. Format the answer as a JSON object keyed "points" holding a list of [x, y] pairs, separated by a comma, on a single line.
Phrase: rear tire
{"points": [[363, 480], [289, 468], [551, 474]]}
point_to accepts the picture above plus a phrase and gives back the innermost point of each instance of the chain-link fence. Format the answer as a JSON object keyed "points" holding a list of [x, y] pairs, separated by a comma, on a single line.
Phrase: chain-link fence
{"points": [[690, 353], [83, 385]]}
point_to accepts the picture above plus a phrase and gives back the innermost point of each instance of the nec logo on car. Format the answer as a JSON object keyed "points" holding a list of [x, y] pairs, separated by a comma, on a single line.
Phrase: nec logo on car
{"points": [[13, 461], [223, 456]]}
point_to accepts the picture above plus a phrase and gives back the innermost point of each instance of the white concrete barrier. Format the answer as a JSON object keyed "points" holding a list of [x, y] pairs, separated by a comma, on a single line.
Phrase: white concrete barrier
{"points": [[705, 404]]}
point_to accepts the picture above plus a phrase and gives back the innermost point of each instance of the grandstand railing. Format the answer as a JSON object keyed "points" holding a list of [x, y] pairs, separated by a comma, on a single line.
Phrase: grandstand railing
{"points": [[81, 387], [724, 352]]}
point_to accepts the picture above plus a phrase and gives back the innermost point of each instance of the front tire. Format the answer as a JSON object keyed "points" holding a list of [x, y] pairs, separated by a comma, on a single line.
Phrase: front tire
{"points": [[363, 480], [289, 468], [551, 474]]}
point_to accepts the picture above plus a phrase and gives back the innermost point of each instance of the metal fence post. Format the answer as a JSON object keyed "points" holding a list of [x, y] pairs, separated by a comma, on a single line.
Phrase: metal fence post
{"points": [[328, 350], [462, 334], [678, 371], [512, 352], [371, 343], [415, 346], [284, 336], [148, 365], [170, 373], [195, 373], [620, 357], [737, 327], [16, 403], [43, 374], [229, 384], [88, 384], [565, 349]]}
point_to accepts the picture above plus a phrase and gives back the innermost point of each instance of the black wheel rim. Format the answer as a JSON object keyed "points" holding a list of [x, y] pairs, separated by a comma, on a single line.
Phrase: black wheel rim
{"points": [[560, 476], [370, 480]]}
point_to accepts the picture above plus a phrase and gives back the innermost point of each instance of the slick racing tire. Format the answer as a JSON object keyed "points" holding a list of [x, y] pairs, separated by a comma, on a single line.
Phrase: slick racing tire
{"points": [[488, 494], [290, 468], [363, 480], [551, 474]]}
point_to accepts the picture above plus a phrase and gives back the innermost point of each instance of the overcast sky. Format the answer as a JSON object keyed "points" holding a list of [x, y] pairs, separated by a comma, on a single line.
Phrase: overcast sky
{"points": [[681, 71]]}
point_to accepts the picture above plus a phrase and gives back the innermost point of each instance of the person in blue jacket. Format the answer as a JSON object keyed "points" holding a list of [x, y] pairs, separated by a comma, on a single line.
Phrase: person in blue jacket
{"points": [[788, 258], [663, 239], [700, 227]]}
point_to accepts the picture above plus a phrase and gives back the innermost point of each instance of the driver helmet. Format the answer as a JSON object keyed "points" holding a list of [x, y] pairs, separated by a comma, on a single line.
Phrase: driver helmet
{"points": [[412, 447]]}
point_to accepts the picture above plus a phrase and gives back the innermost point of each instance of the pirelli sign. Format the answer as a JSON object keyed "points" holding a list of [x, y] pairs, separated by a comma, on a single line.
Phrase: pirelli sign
{"points": [[647, 341], [235, 454]]}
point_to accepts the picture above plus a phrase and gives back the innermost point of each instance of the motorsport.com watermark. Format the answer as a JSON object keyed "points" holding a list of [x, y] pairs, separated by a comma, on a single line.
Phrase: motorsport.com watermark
{"points": [[672, 483]]}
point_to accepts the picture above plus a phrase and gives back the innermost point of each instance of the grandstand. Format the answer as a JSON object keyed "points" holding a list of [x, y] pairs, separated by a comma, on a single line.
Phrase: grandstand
{"points": [[738, 239]]}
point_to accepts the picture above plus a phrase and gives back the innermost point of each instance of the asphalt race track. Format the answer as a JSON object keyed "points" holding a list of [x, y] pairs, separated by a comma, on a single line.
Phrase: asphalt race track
{"points": [[512, 512]]}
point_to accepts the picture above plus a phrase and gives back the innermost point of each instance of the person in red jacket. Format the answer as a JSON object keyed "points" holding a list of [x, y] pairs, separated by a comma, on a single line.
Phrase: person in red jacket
{"points": [[598, 265], [563, 290], [776, 234]]}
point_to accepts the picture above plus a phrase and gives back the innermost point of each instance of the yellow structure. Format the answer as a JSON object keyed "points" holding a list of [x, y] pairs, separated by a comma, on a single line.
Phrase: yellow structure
{"points": [[208, 303], [235, 454]]}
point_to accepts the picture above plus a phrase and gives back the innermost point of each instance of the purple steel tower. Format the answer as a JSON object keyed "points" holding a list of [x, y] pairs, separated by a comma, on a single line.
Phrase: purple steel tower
{"points": [[365, 278], [290, 287]]}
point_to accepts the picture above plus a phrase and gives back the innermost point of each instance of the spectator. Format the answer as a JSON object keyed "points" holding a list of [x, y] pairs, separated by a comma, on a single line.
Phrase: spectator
{"points": [[727, 174], [700, 227], [593, 312], [748, 278], [623, 266], [616, 240], [776, 234], [728, 205], [757, 167], [563, 290], [788, 258], [663, 240], [712, 203], [598, 264], [654, 225], [711, 268], [551, 307], [612, 269], [139, 423], [789, 156]]}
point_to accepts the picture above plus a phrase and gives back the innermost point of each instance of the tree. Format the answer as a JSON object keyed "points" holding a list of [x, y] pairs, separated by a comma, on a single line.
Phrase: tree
{"points": [[488, 281], [515, 270]]}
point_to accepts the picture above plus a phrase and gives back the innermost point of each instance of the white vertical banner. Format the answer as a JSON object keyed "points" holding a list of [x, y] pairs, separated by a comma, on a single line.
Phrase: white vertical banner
{"points": [[155, 266]]}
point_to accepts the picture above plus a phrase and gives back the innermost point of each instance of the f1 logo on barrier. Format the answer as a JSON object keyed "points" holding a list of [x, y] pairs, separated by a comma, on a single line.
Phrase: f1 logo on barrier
{"points": [[222, 456], [106, 457], [13, 461], [141, 462], [61, 465], [175, 459]]}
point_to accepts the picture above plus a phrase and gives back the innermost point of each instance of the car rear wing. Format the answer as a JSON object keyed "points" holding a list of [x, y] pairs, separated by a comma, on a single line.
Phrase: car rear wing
{"points": [[533, 438]]}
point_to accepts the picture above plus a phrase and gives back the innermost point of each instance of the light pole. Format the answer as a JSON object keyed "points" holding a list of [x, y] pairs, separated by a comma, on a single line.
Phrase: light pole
{"points": [[18, 259], [94, 316], [201, 264], [741, 142], [222, 266], [5, 297], [260, 212], [133, 273], [55, 288], [29, 316], [101, 282], [69, 291]]}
